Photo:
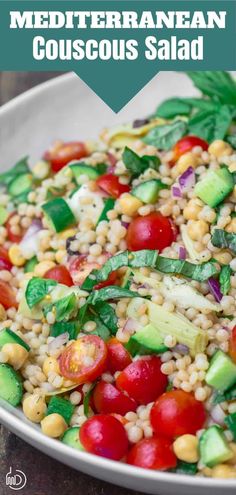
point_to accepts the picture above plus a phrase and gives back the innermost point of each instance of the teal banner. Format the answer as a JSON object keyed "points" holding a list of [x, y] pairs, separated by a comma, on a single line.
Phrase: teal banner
{"points": [[117, 47]]}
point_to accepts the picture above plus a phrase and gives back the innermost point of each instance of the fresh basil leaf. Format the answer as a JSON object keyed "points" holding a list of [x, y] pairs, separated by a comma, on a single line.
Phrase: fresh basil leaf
{"points": [[108, 293], [37, 289], [101, 168], [201, 104], [136, 259], [21, 167], [211, 125], [182, 467], [70, 327], [172, 108], [108, 205], [190, 270], [108, 316], [218, 85], [230, 422], [228, 395], [136, 164], [222, 239], [63, 308], [61, 406], [165, 136], [224, 279], [87, 398]]}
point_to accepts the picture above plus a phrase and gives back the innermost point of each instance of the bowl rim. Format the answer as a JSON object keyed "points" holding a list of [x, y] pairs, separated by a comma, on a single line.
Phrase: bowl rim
{"points": [[29, 432]]}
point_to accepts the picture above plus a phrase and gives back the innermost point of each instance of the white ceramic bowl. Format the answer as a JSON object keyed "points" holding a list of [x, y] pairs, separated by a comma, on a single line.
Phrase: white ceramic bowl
{"points": [[66, 108]]}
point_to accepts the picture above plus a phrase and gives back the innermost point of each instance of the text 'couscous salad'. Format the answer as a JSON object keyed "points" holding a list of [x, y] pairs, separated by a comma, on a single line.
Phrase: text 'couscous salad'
{"points": [[118, 287]]}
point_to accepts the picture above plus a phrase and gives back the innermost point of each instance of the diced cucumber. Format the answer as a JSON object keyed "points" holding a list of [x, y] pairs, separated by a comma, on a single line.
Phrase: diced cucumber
{"points": [[146, 341], [59, 214], [71, 438], [222, 372], [213, 446], [230, 422], [215, 186], [61, 406], [109, 205], [3, 215], [11, 388], [82, 168], [20, 184], [148, 191], [9, 337], [30, 264]]}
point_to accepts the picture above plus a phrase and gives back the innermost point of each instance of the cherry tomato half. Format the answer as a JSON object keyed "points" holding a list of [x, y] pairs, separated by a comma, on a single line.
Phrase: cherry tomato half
{"points": [[5, 263], [7, 296], [152, 453], [60, 274], [104, 435], [118, 356], [10, 235], [84, 360], [143, 380], [111, 185], [232, 345], [177, 413], [80, 268], [186, 144], [108, 399], [64, 153], [153, 231]]}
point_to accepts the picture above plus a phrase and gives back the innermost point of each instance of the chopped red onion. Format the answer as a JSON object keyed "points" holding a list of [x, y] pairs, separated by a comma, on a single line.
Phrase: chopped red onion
{"points": [[125, 224], [182, 253], [111, 169], [214, 287], [218, 415], [58, 342], [176, 192], [181, 349], [140, 123], [29, 243], [187, 179]]}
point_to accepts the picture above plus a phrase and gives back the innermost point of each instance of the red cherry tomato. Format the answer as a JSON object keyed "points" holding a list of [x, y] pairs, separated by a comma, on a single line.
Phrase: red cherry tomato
{"points": [[7, 296], [80, 268], [232, 345], [153, 231], [118, 356], [186, 144], [84, 360], [143, 380], [176, 413], [64, 153], [152, 453], [104, 435], [111, 185], [10, 235], [60, 274], [108, 399], [5, 263]]}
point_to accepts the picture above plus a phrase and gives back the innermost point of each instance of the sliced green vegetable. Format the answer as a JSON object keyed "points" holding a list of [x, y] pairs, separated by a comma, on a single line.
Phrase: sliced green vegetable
{"points": [[222, 372], [222, 239], [30, 264], [4, 214], [224, 279], [230, 422], [9, 337], [165, 136], [199, 272], [63, 309], [108, 293], [109, 205], [107, 315], [61, 406], [11, 388], [37, 289], [82, 168], [172, 108], [214, 448], [71, 438], [59, 214], [20, 185], [215, 186], [148, 191], [71, 327], [146, 341], [21, 167], [136, 164], [227, 395]]}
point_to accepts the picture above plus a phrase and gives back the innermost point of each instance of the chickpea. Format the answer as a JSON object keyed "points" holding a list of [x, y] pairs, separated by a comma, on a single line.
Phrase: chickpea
{"points": [[50, 364], [223, 471], [187, 160], [186, 448], [197, 229], [16, 256], [34, 407], [220, 148], [60, 255], [42, 267], [16, 355], [129, 205], [53, 425], [223, 257], [233, 448], [2, 313], [192, 210], [231, 227]]}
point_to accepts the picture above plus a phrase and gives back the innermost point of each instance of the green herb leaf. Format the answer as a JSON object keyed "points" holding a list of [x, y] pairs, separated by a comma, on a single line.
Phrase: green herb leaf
{"points": [[63, 308], [222, 239], [228, 395], [136, 164], [108, 205], [230, 422], [224, 279], [173, 107], [210, 125], [108, 316], [21, 167], [87, 397], [199, 272], [108, 293], [37, 289], [165, 136], [71, 327], [215, 84], [182, 467], [136, 259], [61, 406]]}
